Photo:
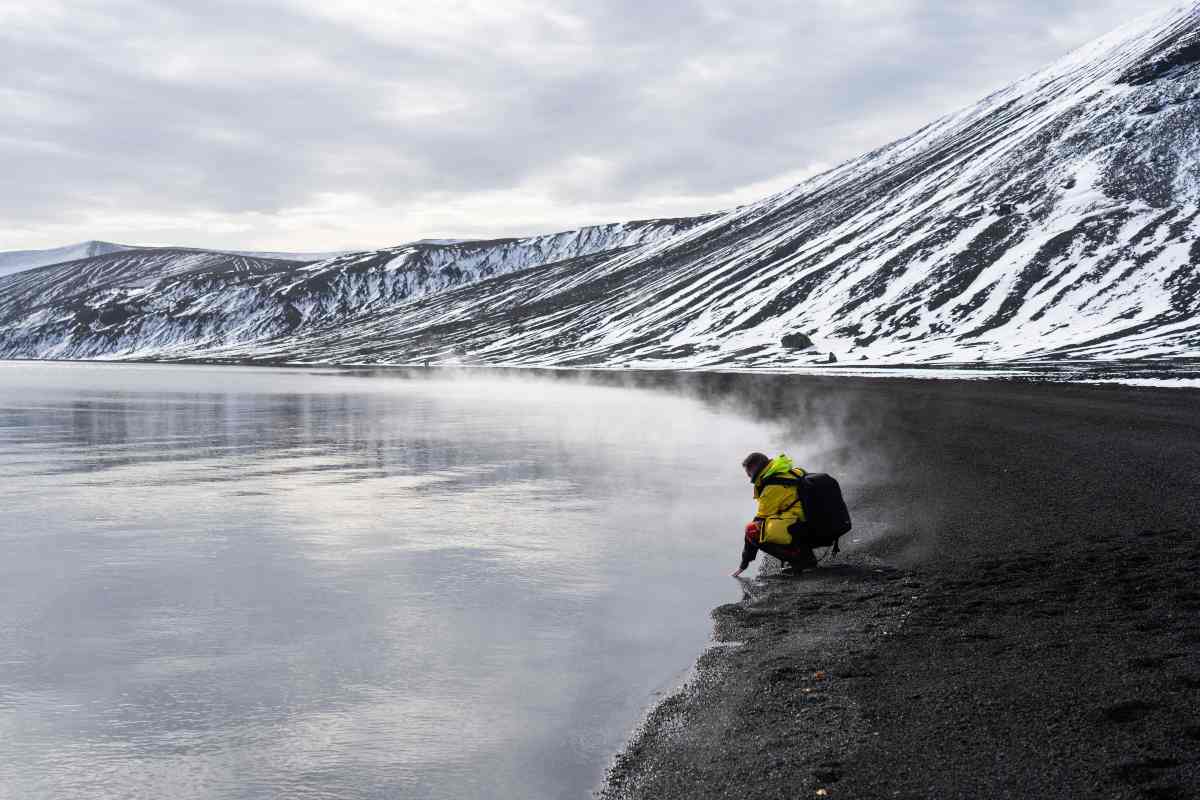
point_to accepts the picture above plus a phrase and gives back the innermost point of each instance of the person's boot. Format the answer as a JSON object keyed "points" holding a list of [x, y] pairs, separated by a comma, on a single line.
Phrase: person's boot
{"points": [[802, 561]]}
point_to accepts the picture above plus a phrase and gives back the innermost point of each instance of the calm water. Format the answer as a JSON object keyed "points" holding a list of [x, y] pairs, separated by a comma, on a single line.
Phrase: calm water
{"points": [[244, 583]]}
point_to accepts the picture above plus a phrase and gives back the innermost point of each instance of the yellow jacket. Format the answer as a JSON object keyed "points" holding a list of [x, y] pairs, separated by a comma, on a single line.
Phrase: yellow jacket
{"points": [[778, 506]]}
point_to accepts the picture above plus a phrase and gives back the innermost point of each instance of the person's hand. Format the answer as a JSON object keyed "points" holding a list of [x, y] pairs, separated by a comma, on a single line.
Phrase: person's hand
{"points": [[736, 573]]}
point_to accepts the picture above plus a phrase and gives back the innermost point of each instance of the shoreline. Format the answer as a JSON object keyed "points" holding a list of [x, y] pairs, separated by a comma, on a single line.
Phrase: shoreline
{"points": [[1178, 373], [784, 653], [825, 685]]}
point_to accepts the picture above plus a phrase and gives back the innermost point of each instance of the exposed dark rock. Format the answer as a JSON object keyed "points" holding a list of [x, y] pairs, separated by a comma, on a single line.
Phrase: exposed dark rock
{"points": [[796, 341], [1179, 51]]}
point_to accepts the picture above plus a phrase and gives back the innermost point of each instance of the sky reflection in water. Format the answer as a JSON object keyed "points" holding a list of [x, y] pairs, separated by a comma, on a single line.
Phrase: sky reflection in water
{"points": [[237, 583]]}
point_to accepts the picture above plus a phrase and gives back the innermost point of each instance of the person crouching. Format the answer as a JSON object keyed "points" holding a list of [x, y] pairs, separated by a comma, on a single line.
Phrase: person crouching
{"points": [[776, 488]]}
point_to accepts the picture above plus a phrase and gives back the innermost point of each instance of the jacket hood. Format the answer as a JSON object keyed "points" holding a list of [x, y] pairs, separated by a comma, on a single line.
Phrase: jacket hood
{"points": [[780, 463]]}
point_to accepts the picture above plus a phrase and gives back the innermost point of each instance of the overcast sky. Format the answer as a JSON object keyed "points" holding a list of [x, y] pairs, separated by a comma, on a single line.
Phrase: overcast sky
{"points": [[319, 125]]}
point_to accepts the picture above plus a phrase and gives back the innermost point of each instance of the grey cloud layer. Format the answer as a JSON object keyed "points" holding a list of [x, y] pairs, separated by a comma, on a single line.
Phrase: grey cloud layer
{"points": [[155, 108]]}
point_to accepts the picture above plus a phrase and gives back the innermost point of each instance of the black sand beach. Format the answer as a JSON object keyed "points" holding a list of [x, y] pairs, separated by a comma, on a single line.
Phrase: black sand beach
{"points": [[1020, 616]]}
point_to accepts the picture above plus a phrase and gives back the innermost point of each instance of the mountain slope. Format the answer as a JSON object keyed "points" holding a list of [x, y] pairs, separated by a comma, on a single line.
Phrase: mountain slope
{"points": [[16, 260], [1058, 218]]}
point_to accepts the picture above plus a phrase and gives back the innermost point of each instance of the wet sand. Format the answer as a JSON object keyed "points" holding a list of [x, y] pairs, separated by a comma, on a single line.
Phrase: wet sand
{"points": [[1021, 617]]}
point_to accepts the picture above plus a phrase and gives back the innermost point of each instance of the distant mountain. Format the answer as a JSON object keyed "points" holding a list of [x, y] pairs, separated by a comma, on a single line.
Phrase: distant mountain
{"points": [[17, 260], [1056, 219], [178, 303]]}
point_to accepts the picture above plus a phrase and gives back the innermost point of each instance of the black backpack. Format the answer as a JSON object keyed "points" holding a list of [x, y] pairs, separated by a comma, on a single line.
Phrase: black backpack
{"points": [[826, 518]]}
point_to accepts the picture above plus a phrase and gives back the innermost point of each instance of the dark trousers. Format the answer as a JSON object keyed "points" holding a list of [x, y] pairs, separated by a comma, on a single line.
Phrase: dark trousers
{"points": [[789, 554]]}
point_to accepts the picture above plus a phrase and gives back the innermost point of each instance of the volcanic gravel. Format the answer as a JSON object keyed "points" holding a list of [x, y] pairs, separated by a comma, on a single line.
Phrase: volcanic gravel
{"points": [[1020, 617]]}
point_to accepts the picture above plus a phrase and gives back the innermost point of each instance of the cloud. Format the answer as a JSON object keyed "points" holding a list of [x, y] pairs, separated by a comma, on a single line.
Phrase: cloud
{"points": [[225, 124]]}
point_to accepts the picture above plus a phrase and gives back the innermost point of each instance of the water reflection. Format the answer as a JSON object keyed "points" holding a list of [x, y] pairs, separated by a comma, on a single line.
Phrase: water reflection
{"points": [[257, 583]]}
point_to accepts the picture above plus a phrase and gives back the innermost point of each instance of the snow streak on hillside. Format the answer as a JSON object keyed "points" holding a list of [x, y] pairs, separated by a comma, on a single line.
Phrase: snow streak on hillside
{"points": [[1058, 218]]}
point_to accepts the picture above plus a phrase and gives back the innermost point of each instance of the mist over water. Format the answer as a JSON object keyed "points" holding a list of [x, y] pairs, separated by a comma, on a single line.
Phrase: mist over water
{"points": [[242, 582]]}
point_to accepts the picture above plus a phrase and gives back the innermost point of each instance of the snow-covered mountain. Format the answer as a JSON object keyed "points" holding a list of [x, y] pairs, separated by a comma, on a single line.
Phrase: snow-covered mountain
{"points": [[1057, 218], [16, 260], [179, 303]]}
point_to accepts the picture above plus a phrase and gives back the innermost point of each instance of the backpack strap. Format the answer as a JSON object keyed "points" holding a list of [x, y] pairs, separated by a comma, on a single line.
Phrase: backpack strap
{"points": [[830, 552], [792, 479], [776, 480]]}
